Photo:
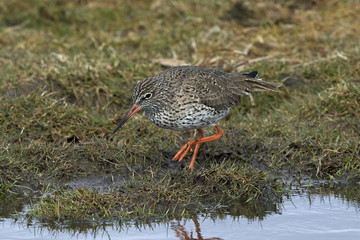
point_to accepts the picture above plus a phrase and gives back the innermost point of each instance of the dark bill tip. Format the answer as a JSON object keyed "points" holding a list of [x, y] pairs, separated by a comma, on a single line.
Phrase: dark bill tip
{"points": [[131, 112]]}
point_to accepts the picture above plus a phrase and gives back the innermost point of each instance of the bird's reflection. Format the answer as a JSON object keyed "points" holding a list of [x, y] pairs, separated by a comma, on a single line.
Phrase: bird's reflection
{"points": [[182, 234]]}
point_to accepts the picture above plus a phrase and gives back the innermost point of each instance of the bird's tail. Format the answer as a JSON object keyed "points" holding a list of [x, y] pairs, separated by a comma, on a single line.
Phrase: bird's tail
{"points": [[249, 82], [246, 83]]}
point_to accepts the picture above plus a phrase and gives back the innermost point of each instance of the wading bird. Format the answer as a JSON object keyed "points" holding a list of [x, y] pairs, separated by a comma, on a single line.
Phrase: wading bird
{"points": [[192, 97]]}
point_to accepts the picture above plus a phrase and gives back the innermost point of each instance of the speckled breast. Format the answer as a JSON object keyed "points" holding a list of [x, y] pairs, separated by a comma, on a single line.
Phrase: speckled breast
{"points": [[187, 117]]}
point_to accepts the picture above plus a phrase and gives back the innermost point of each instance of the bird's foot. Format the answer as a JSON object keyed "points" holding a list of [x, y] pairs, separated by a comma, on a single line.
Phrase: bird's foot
{"points": [[184, 150]]}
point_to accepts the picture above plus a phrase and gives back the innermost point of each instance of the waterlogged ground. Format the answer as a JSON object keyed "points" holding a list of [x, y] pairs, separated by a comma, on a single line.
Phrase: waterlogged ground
{"points": [[67, 72], [314, 212]]}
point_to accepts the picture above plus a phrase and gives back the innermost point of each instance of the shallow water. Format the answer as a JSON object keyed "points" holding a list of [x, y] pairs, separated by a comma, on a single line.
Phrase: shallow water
{"points": [[303, 217]]}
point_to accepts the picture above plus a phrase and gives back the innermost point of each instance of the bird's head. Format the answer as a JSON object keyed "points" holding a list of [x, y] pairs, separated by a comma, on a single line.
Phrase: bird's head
{"points": [[145, 93], [144, 97]]}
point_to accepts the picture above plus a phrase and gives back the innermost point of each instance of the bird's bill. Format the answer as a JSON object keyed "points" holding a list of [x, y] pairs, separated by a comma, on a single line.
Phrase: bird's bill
{"points": [[131, 112]]}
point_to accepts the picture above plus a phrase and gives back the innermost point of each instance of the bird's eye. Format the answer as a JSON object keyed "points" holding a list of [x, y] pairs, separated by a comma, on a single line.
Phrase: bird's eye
{"points": [[147, 96]]}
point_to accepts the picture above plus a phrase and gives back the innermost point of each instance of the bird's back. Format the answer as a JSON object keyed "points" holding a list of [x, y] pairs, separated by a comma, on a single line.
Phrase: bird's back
{"points": [[212, 87]]}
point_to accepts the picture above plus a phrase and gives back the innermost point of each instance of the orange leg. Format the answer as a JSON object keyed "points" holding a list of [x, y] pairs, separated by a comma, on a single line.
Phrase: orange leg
{"points": [[197, 146], [188, 146]]}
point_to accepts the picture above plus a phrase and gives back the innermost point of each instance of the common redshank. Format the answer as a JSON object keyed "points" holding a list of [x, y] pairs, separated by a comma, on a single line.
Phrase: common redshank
{"points": [[192, 97]]}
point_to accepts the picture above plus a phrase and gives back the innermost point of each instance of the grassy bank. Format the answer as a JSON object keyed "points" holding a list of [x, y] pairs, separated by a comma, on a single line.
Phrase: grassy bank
{"points": [[68, 69]]}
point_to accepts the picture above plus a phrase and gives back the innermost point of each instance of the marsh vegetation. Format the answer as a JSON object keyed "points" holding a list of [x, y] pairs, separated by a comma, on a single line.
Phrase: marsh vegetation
{"points": [[68, 69]]}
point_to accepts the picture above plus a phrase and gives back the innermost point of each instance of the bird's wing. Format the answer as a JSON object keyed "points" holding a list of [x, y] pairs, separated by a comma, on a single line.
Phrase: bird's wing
{"points": [[222, 91]]}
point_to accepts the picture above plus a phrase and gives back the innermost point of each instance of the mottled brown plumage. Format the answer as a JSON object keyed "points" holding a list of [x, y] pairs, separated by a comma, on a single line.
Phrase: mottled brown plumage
{"points": [[192, 97]]}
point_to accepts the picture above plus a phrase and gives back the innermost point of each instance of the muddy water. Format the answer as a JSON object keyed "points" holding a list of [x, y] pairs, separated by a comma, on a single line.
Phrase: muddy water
{"points": [[326, 215]]}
